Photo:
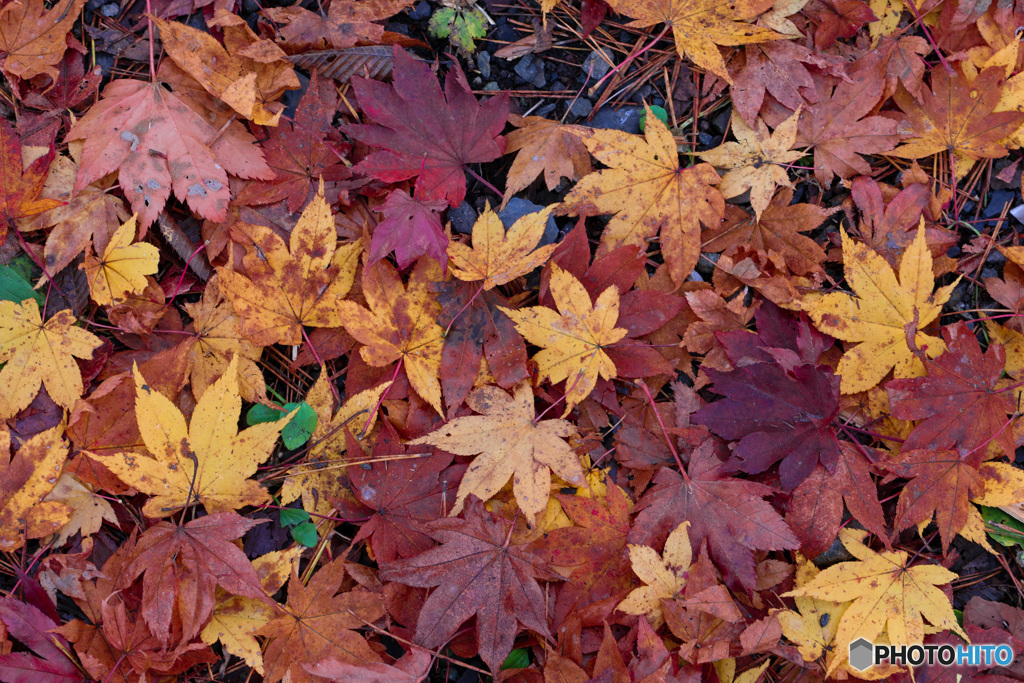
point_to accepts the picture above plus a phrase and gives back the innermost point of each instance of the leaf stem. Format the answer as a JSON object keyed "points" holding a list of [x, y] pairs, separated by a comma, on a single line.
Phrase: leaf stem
{"points": [[462, 310], [380, 401], [643, 385], [482, 181], [152, 60]]}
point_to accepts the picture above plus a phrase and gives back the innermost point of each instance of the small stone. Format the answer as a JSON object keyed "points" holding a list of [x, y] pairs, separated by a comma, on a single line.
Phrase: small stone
{"points": [[581, 107], [517, 208], [596, 66], [420, 11], [642, 93], [463, 217], [541, 80], [483, 64], [111, 9], [545, 110], [626, 119], [492, 86], [527, 68], [558, 86], [706, 264], [504, 32]]}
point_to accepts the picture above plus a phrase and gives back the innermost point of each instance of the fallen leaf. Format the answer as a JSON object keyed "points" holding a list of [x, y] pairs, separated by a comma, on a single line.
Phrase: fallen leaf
{"points": [[33, 628], [547, 147], [476, 572], [33, 38], [573, 339], [88, 509], [664, 576], [879, 312], [123, 267], [427, 134], [347, 23], [498, 256], [29, 475], [508, 440], [21, 185], [649, 193], [411, 228], [208, 463], [813, 625], [38, 353]]}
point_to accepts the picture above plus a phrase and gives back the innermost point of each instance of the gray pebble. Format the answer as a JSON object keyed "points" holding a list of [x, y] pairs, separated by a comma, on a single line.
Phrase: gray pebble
{"points": [[596, 66], [463, 217], [483, 64], [517, 208]]}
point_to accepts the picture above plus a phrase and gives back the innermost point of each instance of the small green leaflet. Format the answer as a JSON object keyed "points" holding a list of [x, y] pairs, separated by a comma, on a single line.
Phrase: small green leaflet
{"points": [[293, 516], [15, 282], [296, 432], [303, 530], [517, 659], [996, 523]]}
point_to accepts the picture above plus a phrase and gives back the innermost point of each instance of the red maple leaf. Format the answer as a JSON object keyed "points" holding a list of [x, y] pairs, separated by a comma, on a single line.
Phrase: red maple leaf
{"points": [[729, 513], [19, 196], [476, 571], [959, 403], [426, 132], [411, 228]]}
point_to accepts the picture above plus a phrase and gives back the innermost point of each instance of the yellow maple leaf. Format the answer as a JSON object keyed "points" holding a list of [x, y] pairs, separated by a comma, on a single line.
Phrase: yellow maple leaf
{"points": [[40, 353], [401, 325], [574, 338], [649, 193], [208, 462], [218, 339], [509, 443], [886, 593], [321, 476], [814, 623], [754, 160], [123, 268], [87, 510], [700, 26], [235, 617], [247, 73], [664, 575], [25, 479], [285, 288], [497, 256], [878, 312]]}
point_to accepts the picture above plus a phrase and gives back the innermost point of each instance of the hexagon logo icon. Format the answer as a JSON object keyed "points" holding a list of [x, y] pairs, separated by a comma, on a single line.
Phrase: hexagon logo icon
{"points": [[861, 654]]}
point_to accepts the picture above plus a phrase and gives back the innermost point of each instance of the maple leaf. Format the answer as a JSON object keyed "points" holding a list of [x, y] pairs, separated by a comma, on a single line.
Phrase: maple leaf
{"points": [[34, 628], [38, 353], [403, 494], [754, 160], [21, 186], [235, 618], [700, 26], [956, 116], [816, 508], [508, 440], [573, 339], [411, 228], [400, 325], [594, 550], [778, 68], [286, 287], [812, 626], [729, 513], [88, 510], [664, 576], [412, 667], [428, 134], [477, 572], [181, 565], [208, 462], [776, 413], [839, 129], [887, 593], [28, 476], [498, 256], [547, 147], [319, 623], [776, 230], [649, 193], [346, 24], [123, 268], [301, 151], [878, 313], [217, 338], [33, 38], [248, 75], [157, 143], [960, 402], [92, 214]]}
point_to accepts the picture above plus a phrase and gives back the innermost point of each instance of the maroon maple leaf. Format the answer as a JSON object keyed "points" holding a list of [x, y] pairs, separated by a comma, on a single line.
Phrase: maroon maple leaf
{"points": [[411, 228], [729, 513], [426, 132], [476, 571], [959, 403]]}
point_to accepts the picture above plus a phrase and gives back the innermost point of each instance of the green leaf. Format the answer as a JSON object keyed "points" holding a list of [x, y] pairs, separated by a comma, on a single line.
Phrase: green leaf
{"points": [[14, 287], [440, 25], [293, 516], [468, 27], [999, 534], [517, 659], [260, 413], [301, 427], [658, 112], [305, 534]]}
